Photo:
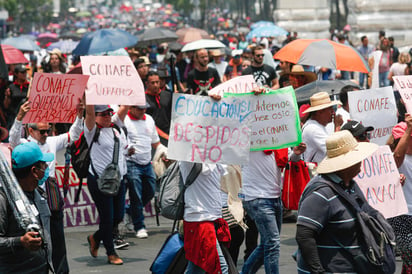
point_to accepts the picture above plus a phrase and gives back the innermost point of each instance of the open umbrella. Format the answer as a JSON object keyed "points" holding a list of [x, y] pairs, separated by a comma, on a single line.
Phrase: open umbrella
{"points": [[47, 37], [65, 46], [332, 87], [13, 55], [324, 53], [104, 40], [268, 31], [262, 24], [187, 35], [21, 43], [156, 36], [203, 44]]}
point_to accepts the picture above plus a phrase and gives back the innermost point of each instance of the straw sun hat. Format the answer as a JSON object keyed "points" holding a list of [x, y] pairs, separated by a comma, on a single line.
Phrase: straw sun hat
{"points": [[321, 100], [343, 151]]}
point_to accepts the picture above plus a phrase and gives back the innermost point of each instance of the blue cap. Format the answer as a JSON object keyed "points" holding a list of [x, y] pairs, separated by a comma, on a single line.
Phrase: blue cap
{"points": [[26, 154], [102, 108]]}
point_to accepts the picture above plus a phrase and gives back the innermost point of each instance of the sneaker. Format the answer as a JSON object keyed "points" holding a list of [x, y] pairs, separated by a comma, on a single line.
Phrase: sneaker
{"points": [[142, 233], [119, 243], [128, 222]]}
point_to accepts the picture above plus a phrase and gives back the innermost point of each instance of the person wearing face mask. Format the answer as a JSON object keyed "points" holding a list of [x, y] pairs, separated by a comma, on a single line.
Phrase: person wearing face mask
{"points": [[39, 133], [22, 251]]}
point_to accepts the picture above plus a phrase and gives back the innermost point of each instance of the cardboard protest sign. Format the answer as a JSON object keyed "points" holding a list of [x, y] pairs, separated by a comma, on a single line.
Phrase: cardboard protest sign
{"points": [[54, 97], [208, 131], [404, 85], [113, 80], [240, 84], [376, 108], [275, 119], [380, 183]]}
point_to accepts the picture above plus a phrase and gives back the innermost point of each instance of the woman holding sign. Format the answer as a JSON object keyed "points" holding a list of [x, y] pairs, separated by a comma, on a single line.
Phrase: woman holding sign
{"points": [[110, 208]]}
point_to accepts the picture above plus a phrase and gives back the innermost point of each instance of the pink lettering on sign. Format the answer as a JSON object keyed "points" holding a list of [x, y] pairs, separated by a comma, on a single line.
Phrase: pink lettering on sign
{"points": [[373, 104]]}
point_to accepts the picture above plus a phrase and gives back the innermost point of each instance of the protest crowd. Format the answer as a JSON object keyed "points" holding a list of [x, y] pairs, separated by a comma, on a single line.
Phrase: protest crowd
{"points": [[258, 139]]}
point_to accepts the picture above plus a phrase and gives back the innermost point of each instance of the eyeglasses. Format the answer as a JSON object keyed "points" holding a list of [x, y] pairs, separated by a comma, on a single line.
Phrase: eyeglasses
{"points": [[44, 131], [259, 55], [104, 114]]}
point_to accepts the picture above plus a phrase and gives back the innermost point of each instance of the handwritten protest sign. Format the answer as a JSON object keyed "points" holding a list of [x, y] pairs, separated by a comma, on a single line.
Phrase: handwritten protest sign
{"points": [[376, 108], [240, 84], [209, 131], [380, 183], [113, 80], [404, 85], [54, 97], [275, 120]]}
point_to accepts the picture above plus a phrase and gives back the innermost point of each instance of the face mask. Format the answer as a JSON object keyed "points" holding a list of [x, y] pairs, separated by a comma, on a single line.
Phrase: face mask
{"points": [[45, 177]]}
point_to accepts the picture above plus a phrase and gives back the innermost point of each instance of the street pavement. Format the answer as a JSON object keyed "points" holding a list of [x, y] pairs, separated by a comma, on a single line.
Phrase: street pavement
{"points": [[141, 252]]}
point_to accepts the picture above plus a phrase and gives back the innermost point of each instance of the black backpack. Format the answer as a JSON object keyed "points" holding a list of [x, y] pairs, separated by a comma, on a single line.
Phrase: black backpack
{"points": [[80, 158]]}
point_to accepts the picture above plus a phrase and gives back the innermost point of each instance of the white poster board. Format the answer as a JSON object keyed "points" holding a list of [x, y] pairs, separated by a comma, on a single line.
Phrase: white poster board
{"points": [[404, 85], [380, 183], [208, 131], [376, 108]]}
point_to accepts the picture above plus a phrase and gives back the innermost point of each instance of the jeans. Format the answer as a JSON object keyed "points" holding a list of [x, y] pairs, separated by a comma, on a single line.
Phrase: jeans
{"points": [[194, 269], [267, 214], [59, 254], [141, 182], [362, 78], [383, 79], [111, 212]]}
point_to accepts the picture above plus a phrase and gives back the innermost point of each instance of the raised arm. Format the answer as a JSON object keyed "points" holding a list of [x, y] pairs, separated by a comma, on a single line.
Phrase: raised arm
{"points": [[402, 147], [90, 117]]}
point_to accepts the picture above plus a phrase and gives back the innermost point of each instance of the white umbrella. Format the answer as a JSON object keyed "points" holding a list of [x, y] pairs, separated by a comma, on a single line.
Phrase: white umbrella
{"points": [[203, 44]]}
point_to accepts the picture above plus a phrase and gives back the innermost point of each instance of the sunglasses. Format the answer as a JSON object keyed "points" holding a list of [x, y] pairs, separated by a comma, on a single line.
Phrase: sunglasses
{"points": [[104, 114], [364, 136], [44, 131], [259, 55]]}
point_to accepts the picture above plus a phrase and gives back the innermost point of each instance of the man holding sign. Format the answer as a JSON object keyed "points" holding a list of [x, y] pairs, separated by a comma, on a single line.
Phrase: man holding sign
{"points": [[39, 133]]}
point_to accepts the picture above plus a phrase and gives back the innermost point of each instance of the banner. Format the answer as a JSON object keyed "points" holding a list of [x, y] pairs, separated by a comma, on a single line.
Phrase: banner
{"points": [[208, 131], [376, 108], [380, 183], [113, 80], [240, 84], [404, 85], [54, 97], [275, 119]]}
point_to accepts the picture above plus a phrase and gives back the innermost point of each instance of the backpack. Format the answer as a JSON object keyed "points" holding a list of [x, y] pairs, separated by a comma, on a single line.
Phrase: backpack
{"points": [[80, 158], [172, 189], [376, 236]]}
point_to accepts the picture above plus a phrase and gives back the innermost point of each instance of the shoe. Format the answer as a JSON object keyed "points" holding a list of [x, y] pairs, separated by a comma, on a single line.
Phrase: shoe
{"points": [[119, 243], [93, 246], [114, 259], [142, 233]]}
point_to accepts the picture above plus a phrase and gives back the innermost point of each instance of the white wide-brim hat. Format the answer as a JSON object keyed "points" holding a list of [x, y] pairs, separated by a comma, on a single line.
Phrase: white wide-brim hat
{"points": [[321, 100], [343, 151]]}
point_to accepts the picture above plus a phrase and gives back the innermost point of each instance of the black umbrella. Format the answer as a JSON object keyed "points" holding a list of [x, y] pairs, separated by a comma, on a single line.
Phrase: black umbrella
{"points": [[332, 87], [156, 36]]}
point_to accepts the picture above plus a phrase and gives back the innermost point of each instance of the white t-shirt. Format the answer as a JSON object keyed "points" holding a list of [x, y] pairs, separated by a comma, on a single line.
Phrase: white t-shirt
{"points": [[101, 153], [406, 169], [221, 67], [261, 177], [314, 136], [203, 201], [398, 69], [141, 134], [345, 115]]}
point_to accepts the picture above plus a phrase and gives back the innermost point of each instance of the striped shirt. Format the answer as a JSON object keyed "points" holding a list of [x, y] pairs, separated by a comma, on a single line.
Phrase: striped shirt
{"points": [[326, 213]]}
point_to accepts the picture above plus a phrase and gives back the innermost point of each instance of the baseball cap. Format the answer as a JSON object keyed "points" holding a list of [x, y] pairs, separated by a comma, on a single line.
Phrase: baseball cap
{"points": [[102, 108], [26, 154], [356, 128], [20, 68], [144, 106], [237, 52]]}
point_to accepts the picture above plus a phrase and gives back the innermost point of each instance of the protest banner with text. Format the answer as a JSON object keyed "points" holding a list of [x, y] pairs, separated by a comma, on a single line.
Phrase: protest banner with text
{"points": [[113, 80], [54, 97], [275, 119], [208, 131], [404, 85], [240, 84], [380, 183], [376, 108]]}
